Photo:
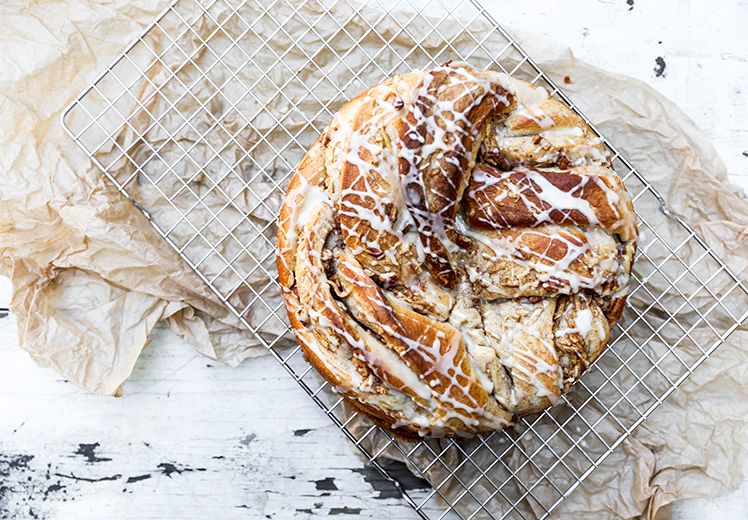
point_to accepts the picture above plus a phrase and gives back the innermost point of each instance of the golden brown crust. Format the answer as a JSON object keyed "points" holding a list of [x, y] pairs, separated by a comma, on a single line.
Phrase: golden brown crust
{"points": [[525, 198], [439, 295], [434, 188]]}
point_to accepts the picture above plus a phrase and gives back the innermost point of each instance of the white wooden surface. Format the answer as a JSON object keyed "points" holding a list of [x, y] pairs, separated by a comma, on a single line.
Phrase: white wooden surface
{"points": [[192, 439]]}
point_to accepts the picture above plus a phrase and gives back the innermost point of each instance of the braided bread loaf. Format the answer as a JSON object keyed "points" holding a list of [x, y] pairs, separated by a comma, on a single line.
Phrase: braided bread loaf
{"points": [[453, 251]]}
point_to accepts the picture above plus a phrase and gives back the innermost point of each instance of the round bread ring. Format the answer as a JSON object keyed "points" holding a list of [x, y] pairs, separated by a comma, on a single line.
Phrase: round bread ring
{"points": [[453, 251]]}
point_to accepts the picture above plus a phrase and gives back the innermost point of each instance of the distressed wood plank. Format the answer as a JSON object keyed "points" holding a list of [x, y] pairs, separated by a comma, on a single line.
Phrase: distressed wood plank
{"points": [[190, 439]]}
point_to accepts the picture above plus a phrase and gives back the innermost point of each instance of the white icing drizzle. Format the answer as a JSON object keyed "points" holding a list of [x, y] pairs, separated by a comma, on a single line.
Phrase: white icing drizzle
{"points": [[311, 198], [449, 367], [542, 198], [555, 274], [584, 322], [442, 357], [517, 350], [367, 203], [537, 115], [447, 126]]}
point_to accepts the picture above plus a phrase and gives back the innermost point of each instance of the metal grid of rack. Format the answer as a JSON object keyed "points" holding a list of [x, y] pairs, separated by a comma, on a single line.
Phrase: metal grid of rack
{"points": [[201, 121]]}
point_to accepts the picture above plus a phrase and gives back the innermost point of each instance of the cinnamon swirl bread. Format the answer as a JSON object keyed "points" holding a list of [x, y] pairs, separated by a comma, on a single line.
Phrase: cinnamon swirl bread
{"points": [[454, 250]]}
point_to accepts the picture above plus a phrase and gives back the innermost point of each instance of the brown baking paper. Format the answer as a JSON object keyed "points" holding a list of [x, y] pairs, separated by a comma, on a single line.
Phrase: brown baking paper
{"points": [[91, 277]]}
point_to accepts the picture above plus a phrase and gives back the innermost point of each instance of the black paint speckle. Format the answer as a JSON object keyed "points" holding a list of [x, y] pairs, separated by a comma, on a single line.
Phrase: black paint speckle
{"points": [[138, 478], [345, 511], [585, 32], [326, 484], [4, 313], [400, 472], [86, 479], [659, 68], [9, 463], [379, 483], [21, 483], [167, 468], [300, 433], [385, 487], [54, 488], [88, 451], [745, 153], [630, 3]]}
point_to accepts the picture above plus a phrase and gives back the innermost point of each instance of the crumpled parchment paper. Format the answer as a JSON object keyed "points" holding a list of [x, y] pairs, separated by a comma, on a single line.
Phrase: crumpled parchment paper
{"points": [[91, 277]]}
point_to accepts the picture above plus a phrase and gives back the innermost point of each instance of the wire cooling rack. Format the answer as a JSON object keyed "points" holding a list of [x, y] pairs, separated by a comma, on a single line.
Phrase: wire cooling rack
{"points": [[201, 121]]}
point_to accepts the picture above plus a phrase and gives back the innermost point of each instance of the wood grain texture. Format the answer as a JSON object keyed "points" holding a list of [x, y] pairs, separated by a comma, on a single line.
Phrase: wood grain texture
{"points": [[192, 439]]}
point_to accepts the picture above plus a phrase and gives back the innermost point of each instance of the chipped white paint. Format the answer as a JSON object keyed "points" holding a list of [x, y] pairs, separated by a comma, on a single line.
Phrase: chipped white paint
{"points": [[282, 458], [190, 439]]}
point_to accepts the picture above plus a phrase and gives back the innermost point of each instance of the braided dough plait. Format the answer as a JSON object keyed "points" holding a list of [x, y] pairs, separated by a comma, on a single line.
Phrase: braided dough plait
{"points": [[454, 250]]}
